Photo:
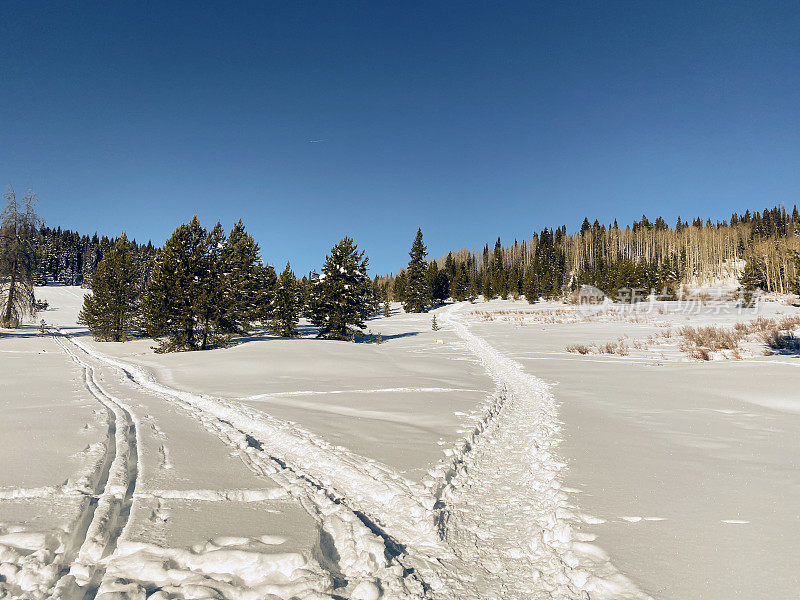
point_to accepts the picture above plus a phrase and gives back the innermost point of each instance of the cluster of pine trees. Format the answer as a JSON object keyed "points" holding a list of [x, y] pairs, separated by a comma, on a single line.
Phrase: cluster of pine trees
{"points": [[204, 287], [759, 247]]}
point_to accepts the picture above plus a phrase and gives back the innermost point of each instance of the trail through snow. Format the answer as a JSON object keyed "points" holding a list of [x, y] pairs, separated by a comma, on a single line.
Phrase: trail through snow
{"points": [[495, 523]]}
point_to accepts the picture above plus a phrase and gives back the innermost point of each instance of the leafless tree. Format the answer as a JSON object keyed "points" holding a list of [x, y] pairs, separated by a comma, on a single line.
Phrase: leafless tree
{"points": [[18, 229]]}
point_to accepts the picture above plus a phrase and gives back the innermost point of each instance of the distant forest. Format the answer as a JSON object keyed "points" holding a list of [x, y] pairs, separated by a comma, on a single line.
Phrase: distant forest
{"points": [[69, 258], [758, 247]]}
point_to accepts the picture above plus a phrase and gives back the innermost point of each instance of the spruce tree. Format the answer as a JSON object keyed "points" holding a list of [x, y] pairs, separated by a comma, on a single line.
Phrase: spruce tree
{"points": [[286, 304], [111, 310], [184, 300], [340, 298], [18, 258], [387, 310], [417, 290], [795, 283], [472, 290], [246, 286], [530, 286], [399, 287], [458, 284]]}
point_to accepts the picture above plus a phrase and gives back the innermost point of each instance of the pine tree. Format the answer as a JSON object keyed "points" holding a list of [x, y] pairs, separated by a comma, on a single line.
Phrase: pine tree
{"points": [[246, 288], [795, 283], [472, 290], [530, 286], [340, 297], [18, 258], [286, 305], [184, 300], [417, 290], [387, 310], [458, 285], [111, 310], [399, 287], [434, 324]]}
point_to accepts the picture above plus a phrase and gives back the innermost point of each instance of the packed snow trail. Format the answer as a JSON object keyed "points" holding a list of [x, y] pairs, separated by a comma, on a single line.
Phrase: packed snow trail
{"points": [[504, 513]]}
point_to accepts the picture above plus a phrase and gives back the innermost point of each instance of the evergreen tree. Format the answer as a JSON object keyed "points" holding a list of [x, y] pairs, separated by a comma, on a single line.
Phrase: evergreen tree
{"points": [[472, 290], [417, 290], [18, 258], [795, 283], [458, 284], [111, 310], [184, 297], [340, 298], [488, 292], [530, 286], [434, 324], [286, 305], [752, 276], [387, 310], [246, 290], [399, 287]]}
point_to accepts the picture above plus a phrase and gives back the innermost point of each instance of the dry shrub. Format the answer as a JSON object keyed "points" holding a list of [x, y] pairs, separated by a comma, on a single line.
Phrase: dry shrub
{"points": [[579, 349], [711, 337]]}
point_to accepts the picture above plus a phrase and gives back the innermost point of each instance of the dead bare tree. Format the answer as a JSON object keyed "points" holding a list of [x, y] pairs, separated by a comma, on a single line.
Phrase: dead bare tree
{"points": [[19, 224]]}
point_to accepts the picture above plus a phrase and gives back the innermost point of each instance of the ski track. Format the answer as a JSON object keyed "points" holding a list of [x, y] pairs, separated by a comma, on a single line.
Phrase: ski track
{"points": [[491, 522], [112, 508], [366, 559], [73, 567]]}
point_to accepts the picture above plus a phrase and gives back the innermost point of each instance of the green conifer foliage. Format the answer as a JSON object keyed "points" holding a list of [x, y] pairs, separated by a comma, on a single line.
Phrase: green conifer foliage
{"points": [[530, 286], [286, 304], [458, 284], [399, 287], [184, 297], [111, 311], [246, 287], [417, 287], [340, 298]]}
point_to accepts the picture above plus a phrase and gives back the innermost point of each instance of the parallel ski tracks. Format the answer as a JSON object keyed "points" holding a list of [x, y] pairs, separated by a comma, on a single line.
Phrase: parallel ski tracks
{"points": [[108, 510]]}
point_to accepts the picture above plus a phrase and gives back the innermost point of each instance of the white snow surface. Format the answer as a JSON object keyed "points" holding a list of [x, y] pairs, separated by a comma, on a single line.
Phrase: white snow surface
{"points": [[429, 466]]}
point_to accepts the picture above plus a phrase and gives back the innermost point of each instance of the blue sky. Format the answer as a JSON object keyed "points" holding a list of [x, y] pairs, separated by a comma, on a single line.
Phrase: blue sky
{"points": [[471, 120]]}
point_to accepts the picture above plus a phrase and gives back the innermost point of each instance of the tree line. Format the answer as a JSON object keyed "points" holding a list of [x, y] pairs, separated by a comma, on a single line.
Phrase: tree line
{"points": [[759, 249], [205, 286]]}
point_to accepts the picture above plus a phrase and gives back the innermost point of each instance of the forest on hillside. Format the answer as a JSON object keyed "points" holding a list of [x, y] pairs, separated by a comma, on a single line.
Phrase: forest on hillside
{"points": [[756, 249]]}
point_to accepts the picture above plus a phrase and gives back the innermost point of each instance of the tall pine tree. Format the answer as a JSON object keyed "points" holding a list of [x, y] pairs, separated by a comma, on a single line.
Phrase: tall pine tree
{"points": [[286, 304], [340, 298], [417, 289], [246, 287], [111, 311]]}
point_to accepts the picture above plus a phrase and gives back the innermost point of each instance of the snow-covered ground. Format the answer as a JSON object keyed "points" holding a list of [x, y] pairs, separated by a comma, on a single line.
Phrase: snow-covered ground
{"points": [[436, 464]]}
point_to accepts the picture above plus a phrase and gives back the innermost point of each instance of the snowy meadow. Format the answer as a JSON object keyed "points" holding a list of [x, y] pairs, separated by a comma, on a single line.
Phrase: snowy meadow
{"points": [[480, 460]]}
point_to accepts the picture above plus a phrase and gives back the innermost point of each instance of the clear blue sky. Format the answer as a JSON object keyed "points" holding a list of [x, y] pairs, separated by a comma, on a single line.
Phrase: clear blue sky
{"points": [[471, 120]]}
